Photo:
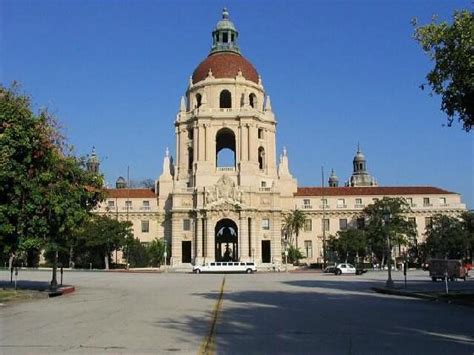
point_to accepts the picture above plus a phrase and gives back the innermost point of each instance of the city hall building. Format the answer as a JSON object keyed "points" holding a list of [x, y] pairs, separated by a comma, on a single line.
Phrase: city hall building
{"points": [[209, 210]]}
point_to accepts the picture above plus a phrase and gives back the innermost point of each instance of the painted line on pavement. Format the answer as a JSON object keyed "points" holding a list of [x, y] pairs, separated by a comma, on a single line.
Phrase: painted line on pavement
{"points": [[208, 344]]}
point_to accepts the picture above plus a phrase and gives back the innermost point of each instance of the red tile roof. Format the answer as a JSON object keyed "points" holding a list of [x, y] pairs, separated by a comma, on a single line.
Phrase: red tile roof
{"points": [[225, 65], [372, 190], [129, 193]]}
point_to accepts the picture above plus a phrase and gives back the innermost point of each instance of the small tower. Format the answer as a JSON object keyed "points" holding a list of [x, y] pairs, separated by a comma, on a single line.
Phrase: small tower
{"points": [[93, 163], [224, 36], [360, 175], [333, 179], [120, 183]]}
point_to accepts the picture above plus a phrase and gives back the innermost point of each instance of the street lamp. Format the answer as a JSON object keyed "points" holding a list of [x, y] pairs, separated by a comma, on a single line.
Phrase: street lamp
{"points": [[165, 254], [387, 215]]}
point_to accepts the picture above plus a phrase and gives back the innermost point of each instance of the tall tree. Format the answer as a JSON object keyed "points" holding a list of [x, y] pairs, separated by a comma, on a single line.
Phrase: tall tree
{"points": [[450, 46], [293, 223], [445, 236], [398, 229], [349, 245], [45, 192]]}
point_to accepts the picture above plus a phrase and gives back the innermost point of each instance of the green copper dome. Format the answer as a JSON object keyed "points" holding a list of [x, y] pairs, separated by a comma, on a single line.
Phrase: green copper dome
{"points": [[224, 36]]}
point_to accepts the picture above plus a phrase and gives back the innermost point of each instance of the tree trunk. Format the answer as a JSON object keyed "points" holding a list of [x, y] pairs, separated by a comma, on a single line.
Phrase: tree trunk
{"points": [[106, 260], [10, 261], [54, 281], [71, 257]]}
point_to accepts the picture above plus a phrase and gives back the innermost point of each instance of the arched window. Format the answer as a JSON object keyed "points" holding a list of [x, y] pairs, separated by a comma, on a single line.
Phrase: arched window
{"points": [[190, 158], [225, 148], [261, 158], [253, 100], [225, 100], [198, 100]]}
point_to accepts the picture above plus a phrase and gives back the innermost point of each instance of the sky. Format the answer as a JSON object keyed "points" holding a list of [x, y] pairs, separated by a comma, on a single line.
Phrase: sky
{"points": [[339, 73]]}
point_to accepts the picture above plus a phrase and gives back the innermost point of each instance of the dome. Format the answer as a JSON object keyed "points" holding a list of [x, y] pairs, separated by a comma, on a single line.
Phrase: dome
{"points": [[225, 65], [359, 156]]}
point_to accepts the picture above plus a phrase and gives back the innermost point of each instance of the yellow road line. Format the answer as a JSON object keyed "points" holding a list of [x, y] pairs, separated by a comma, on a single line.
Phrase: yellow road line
{"points": [[208, 344]]}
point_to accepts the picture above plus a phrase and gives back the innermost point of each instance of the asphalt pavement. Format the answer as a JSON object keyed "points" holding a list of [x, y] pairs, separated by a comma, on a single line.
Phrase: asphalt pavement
{"points": [[263, 313]]}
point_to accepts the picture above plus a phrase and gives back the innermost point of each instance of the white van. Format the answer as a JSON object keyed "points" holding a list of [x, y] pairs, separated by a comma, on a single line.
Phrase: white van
{"points": [[225, 267]]}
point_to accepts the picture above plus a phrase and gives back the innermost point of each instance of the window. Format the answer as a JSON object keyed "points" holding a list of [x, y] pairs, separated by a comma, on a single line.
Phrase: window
{"points": [[412, 221], [308, 248], [253, 103], [343, 224], [428, 221], [341, 202], [145, 226], [186, 224], [308, 225], [190, 158], [198, 100], [146, 205], [128, 204], [374, 200], [260, 133], [361, 223], [261, 158], [265, 224], [326, 224], [111, 204], [358, 202], [306, 203], [409, 200], [426, 201], [225, 99], [263, 184], [324, 202], [442, 201], [225, 37]]}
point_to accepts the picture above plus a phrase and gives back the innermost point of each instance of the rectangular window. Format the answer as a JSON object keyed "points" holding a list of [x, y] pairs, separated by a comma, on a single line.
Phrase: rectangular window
{"points": [[360, 223], [308, 225], [326, 224], [146, 203], [128, 204], [308, 248], [426, 201], [186, 224], [265, 224], [343, 224], [263, 184], [111, 204], [145, 226], [341, 202], [428, 221], [409, 200], [412, 221], [260, 133], [306, 203], [442, 201], [324, 203], [358, 202]]}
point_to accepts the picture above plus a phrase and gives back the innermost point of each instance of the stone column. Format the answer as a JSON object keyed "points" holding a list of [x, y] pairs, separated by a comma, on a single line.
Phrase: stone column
{"points": [[198, 258], [243, 239], [253, 148], [210, 240], [253, 243], [176, 225]]}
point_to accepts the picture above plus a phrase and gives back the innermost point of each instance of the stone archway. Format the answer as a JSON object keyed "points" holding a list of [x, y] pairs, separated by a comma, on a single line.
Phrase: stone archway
{"points": [[226, 240]]}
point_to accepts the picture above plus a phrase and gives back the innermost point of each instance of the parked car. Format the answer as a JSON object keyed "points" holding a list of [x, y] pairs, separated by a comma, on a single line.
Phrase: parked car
{"points": [[225, 267], [345, 268], [450, 268], [331, 269]]}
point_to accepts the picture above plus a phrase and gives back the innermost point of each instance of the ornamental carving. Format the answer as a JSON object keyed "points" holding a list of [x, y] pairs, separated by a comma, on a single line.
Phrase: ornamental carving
{"points": [[224, 193]]}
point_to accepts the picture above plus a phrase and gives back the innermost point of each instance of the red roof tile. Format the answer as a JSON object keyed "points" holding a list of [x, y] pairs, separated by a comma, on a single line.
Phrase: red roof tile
{"points": [[372, 190], [129, 193], [225, 65]]}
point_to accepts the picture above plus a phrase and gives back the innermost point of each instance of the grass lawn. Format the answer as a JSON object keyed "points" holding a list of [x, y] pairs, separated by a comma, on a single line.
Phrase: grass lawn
{"points": [[7, 295]]}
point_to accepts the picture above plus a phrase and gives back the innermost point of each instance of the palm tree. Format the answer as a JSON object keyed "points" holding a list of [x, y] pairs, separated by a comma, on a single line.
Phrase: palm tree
{"points": [[294, 222]]}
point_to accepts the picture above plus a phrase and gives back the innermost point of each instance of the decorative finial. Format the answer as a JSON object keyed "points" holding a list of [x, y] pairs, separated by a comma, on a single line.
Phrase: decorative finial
{"points": [[358, 147], [167, 152], [182, 105], [225, 13], [285, 152]]}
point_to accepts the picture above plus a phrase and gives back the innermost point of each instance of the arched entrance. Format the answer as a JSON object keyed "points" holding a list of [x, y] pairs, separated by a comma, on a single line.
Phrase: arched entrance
{"points": [[226, 240]]}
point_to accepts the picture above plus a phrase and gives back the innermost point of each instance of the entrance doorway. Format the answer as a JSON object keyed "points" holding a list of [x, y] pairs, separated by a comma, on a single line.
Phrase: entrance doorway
{"points": [[186, 252], [266, 253], [227, 242]]}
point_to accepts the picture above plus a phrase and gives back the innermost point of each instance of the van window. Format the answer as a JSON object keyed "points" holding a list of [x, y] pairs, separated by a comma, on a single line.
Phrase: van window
{"points": [[213, 264], [242, 264], [236, 264], [218, 264], [250, 263], [224, 264]]}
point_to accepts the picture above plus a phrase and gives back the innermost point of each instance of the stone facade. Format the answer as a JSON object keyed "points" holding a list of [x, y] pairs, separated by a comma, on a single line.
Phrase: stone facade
{"points": [[212, 211]]}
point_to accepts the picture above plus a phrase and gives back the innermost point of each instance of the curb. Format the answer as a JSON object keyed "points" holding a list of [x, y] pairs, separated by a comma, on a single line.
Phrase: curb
{"points": [[399, 292], [61, 291]]}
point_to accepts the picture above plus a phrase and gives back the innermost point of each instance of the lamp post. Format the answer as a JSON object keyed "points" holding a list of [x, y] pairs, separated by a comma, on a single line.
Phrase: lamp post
{"points": [[285, 242], [165, 253], [387, 215]]}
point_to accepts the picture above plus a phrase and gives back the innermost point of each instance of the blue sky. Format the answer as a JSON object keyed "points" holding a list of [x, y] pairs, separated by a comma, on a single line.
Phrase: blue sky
{"points": [[113, 73]]}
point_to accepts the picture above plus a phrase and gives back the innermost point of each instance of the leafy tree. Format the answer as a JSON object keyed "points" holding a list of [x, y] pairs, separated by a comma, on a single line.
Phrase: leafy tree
{"points": [[446, 236], [294, 255], [156, 251], [136, 253], [450, 46], [398, 229], [293, 223], [349, 245], [98, 238], [45, 192]]}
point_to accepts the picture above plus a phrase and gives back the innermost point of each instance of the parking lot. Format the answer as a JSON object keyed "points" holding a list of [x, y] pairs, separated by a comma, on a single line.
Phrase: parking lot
{"points": [[304, 312]]}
